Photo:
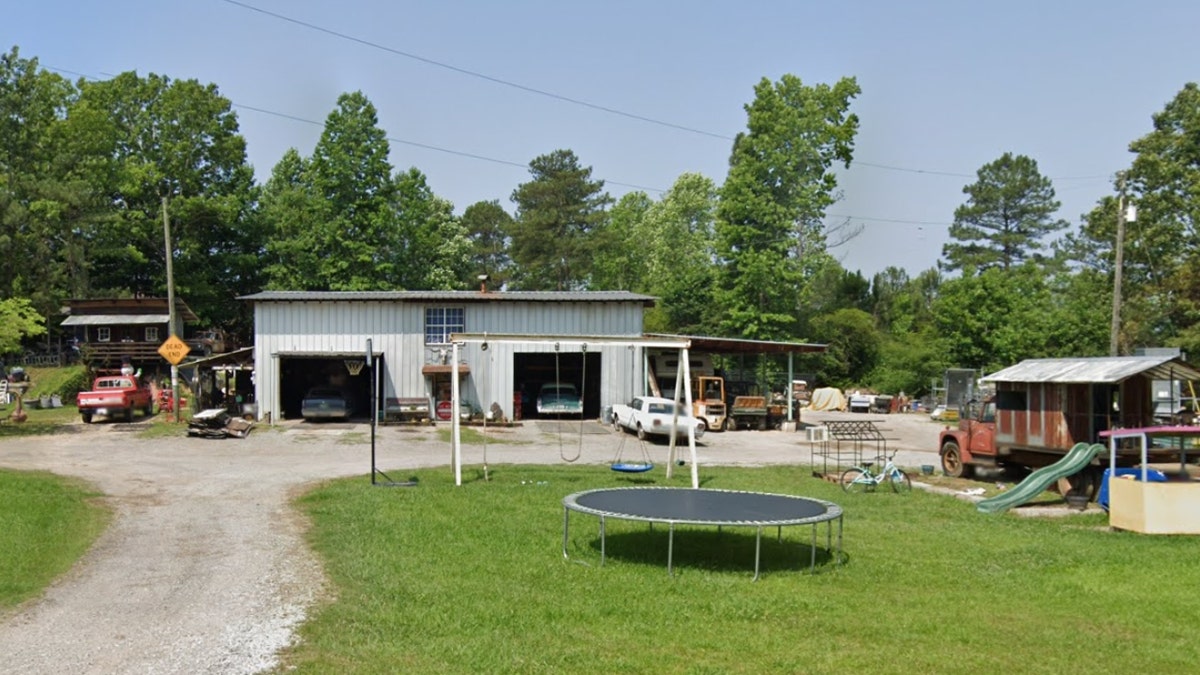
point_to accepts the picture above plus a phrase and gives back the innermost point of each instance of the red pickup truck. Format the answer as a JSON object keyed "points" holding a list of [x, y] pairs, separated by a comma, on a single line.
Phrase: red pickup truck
{"points": [[115, 396]]}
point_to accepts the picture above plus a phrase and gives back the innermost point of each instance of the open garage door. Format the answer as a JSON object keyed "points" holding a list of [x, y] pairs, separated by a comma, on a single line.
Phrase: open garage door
{"points": [[299, 373], [533, 369]]}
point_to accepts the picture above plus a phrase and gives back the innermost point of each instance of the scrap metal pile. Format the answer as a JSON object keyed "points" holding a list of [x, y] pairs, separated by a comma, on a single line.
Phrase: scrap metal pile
{"points": [[218, 423]]}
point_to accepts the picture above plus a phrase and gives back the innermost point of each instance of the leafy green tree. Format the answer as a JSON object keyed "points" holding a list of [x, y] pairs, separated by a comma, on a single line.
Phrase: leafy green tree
{"points": [[293, 214], [143, 140], [1079, 314], [341, 220], [1009, 212], [679, 239], [349, 173], [996, 318], [909, 363], [44, 209], [853, 345], [1162, 248], [557, 213], [434, 248], [487, 225], [621, 258], [18, 320], [779, 186]]}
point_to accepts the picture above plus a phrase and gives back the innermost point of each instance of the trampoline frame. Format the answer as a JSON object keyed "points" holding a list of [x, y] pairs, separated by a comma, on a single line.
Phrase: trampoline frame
{"points": [[832, 512]]}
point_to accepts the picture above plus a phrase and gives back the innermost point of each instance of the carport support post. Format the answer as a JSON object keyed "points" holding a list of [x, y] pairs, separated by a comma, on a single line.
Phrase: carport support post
{"points": [[454, 430], [790, 388]]}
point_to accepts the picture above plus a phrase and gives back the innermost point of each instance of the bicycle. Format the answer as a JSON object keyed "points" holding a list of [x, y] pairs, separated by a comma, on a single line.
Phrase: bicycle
{"points": [[862, 479]]}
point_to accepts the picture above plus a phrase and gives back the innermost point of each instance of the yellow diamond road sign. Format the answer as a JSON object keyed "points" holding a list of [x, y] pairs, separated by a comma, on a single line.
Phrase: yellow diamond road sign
{"points": [[173, 350]]}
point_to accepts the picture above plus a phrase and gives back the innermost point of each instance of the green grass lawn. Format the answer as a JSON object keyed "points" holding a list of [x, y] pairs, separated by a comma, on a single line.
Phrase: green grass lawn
{"points": [[471, 579], [46, 523]]}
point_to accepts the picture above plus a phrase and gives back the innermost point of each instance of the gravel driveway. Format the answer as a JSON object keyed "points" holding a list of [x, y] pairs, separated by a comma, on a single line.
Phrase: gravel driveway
{"points": [[204, 568]]}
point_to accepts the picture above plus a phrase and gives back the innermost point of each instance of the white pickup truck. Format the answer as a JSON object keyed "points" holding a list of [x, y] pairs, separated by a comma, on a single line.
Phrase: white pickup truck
{"points": [[651, 416]]}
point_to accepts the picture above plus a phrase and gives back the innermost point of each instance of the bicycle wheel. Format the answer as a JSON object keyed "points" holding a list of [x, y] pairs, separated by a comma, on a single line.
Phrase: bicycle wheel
{"points": [[857, 480], [900, 481]]}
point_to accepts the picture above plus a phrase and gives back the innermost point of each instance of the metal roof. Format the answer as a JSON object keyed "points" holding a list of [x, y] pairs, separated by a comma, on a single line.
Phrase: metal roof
{"points": [[1100, 370], [704, 343], [115, 319], [450, 296]]}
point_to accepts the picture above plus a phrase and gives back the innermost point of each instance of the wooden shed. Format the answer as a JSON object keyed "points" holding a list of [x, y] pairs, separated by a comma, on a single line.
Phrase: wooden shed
{"points": [[1056, 403]]}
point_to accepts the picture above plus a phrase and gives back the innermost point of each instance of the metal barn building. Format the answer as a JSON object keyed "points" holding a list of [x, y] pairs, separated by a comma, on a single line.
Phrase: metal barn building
{"points": [[305, 339]]}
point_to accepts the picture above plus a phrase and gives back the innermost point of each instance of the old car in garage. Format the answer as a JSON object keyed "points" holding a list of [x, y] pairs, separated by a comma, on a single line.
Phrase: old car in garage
{"points": [[326, 403]]}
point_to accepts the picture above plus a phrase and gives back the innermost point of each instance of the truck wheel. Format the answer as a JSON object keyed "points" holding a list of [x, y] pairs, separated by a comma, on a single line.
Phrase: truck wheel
{"points": [[641, 433], [952, 461], [129, 414], [616, 424], [730, 424], [149, 409], [87, 417]]}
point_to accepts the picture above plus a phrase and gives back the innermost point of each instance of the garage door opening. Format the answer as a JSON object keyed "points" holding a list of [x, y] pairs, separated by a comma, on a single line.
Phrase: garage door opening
{"points": [[532, 370], [299, 374]]}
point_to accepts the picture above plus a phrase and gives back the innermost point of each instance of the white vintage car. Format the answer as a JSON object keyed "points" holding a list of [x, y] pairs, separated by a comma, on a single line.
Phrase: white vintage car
{"points": [[652, 416]]}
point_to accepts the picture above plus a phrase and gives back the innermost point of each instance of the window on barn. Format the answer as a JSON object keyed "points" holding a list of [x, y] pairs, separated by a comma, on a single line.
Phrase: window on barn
{"points": [[1011, 400], [103, 334], [152, 334], [440, 322]]}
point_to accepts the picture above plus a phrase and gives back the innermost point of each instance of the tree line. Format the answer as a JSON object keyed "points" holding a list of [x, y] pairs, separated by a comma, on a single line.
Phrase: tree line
{"points": [[88, 168]]}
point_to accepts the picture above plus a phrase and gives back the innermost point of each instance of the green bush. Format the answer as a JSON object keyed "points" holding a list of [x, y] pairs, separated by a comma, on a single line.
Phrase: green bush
{"points": [[74, 382]]}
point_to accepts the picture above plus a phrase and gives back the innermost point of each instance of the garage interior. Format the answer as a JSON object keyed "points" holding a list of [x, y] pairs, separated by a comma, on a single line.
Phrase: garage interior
{"points": [[298, 374], [533, 369]]}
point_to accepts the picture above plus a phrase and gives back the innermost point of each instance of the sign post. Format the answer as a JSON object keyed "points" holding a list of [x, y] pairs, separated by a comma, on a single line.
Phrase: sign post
{"points": [[174, 350]]}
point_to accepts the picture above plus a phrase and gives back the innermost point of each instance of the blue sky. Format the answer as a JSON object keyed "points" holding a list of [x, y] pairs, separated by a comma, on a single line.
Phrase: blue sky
{"points": [[946, 87]]}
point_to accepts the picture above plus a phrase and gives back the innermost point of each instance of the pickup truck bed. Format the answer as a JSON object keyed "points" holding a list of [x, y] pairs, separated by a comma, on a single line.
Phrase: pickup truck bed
{"points": [[115, 396]]}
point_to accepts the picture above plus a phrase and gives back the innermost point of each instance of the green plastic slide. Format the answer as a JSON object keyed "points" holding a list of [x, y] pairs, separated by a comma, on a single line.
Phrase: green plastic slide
{"points": [[1035, 483]]}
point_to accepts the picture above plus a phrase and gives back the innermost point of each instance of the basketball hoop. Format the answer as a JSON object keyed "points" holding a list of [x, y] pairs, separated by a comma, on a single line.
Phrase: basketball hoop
{"points": [[355, 366]]}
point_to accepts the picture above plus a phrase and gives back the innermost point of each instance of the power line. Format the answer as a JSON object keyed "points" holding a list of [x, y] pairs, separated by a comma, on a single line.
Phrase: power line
{"points": [[476, 74], [558, 97], [888, 220], [392, 139], [505, 162], [426, 146]]}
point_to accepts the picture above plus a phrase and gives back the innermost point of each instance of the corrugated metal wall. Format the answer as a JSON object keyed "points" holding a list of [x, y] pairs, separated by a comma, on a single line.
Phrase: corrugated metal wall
{"points": [[397, 331]]}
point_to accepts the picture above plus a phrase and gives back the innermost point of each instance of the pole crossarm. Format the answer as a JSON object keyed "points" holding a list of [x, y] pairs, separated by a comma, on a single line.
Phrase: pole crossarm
{"points": [[569, 340]]}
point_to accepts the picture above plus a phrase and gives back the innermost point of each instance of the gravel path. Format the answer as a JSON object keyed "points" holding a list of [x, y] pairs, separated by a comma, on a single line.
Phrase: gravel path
{"points": [[204, 568]]}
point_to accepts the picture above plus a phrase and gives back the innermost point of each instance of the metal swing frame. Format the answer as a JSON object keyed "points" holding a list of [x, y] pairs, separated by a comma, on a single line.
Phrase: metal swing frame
{"points": [[683, 386]]}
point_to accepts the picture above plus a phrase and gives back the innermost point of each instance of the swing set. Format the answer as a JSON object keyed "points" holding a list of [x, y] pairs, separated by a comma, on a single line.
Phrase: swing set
{"points": [[683, 388]]}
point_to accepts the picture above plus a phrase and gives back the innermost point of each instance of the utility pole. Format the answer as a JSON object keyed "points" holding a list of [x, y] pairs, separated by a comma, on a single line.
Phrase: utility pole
{"points": [[1118, 266], [171, 307]]}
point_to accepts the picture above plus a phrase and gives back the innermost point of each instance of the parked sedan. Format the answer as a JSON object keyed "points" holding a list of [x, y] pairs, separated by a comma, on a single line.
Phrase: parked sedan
{"points": [[325, 403], [651, 416]]}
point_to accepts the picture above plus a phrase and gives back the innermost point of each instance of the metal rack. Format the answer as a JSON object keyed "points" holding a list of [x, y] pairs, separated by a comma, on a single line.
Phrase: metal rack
{"points": [[841, 444]]}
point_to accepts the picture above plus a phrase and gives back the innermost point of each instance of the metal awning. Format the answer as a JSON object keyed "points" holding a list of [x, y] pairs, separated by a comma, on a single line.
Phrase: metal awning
{"points": [[720, 345], [115, 319], [1098, 370]]}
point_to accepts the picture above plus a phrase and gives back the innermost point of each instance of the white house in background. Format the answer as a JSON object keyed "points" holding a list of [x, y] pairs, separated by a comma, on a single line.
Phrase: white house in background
{"points": [[304, 339]]}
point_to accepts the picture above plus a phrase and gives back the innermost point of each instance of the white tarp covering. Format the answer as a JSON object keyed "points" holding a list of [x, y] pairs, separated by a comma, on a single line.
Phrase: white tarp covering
{"points": [[827, 398]]}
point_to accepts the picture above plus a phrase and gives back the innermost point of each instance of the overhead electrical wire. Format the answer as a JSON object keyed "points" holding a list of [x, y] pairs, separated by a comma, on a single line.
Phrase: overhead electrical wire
{"points": [[506, 162], [558, 97]]}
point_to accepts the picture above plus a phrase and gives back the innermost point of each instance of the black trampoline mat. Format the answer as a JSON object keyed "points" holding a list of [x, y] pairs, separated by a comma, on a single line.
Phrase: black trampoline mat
{"points": [[702, 507]]}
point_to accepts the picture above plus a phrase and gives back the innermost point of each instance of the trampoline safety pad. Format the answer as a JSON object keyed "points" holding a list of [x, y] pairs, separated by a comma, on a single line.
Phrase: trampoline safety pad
{"points": [[706, 507]]}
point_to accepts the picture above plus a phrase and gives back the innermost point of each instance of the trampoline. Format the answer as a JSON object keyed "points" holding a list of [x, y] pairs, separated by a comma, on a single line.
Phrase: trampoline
{"points": [[719, 508]]}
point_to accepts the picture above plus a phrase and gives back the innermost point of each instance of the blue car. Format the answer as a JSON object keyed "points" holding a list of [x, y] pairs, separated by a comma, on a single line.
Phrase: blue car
{"points": [[325, 403]]}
